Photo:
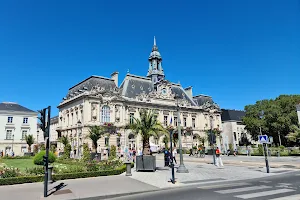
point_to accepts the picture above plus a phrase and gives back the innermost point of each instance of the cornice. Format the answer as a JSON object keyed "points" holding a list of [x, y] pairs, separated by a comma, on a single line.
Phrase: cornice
{"points": [[19, 113]]}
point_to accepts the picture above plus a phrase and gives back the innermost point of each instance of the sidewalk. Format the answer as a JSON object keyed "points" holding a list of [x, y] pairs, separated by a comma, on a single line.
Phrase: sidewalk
{"points": [[77, 188], [255, 161]]}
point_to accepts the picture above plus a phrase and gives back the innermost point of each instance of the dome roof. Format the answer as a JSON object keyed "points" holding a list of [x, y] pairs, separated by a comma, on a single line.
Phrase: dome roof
{"points": [[155, 54]]}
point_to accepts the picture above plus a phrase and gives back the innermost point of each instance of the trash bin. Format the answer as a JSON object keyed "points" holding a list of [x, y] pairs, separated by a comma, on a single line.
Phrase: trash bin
{"points": [[50, 169], [166, 158]]}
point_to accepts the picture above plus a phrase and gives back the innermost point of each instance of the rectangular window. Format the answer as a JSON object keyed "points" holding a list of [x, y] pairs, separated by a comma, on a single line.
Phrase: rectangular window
{"points": [[131, 118], [72, 119], [10, 120], [106, 141], [9, 134], [184, 121], [81, 115], [166, 120], [24, 133], [175, 121], [76, 116], [193, 122], [25, 120], [68, 120]]}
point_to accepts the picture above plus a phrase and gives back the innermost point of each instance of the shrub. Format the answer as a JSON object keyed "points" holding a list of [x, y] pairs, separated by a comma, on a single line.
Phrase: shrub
{"points": [[7, 172], [113, 152], [260, 149], [86, 153], [284, 153], [42, 147], [38, 158], [35, 171], [17, 157], [67, 151], [281, 148], [53, 148], [35, 149], [63, 169]]}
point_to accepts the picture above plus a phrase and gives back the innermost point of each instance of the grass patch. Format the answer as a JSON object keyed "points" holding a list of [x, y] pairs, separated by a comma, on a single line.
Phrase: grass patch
{"points": [[22, 164]]}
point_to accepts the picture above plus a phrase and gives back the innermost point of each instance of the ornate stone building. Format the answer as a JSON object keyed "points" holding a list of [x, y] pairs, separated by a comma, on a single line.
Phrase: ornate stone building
{"points": [[98, 100]]}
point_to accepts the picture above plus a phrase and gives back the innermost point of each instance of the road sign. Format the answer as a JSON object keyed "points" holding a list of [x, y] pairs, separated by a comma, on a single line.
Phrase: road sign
{"points": [[270, 139], [263, 139]]}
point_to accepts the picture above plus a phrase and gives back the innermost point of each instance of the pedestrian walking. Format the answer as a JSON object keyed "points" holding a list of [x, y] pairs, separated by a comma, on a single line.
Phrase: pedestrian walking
{"points": [[218, 158], [174, 155]]}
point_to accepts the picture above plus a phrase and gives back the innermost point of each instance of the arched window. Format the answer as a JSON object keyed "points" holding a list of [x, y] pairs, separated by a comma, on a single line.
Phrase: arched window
{"points": [[105, 114]]}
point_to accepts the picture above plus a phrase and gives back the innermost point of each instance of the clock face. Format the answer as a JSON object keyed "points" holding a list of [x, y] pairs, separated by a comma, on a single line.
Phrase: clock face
{"points": [[164, 91]]}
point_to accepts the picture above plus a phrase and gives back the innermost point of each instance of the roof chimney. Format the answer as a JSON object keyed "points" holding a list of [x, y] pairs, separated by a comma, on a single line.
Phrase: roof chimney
{"points": [[115, 78], [189, 91]]}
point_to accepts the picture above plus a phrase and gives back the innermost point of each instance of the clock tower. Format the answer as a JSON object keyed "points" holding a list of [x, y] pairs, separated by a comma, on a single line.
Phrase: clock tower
{"points": [[155, 72]]}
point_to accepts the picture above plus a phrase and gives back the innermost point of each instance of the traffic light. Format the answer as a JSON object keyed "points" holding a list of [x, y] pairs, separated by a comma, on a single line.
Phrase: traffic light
{"points": [[42, 119], [45, 160]]}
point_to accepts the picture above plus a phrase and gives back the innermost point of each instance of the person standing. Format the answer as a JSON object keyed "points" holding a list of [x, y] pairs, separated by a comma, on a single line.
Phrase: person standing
{"points": [[218, 158], [174, 155]]}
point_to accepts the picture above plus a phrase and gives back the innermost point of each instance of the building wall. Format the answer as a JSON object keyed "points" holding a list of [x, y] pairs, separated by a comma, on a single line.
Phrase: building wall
{"points": [[17, 127]]}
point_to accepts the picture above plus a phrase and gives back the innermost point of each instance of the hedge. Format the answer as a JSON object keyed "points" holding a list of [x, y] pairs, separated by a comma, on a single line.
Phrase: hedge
{"points": [[57, 177], [17, 157]]}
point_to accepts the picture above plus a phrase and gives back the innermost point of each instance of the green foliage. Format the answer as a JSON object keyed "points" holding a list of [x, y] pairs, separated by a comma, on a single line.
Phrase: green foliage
{"points": [[7, 172], [64, 140], [166, 141], [38, 158], [56, 177], [95, 133], [67, 151], [260, 149], [42, 147], [281, 148], [146, 125], [86, 156], [279, 115], [294, 135], [30, 141], [17, 157], [53, 148], [63, 169], [35, 171], [113, 152]]}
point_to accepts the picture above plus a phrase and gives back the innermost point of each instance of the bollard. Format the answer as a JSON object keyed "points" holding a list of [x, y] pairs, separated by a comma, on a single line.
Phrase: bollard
{"points": [[128, 168], [50, 169]]}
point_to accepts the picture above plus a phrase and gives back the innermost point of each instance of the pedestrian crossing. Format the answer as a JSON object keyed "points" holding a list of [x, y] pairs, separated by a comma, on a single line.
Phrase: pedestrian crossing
{"points": [[248, 191]]}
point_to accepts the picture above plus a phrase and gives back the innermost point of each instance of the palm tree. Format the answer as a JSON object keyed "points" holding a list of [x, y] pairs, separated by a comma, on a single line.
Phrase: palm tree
{"points": [[29, 140], [95, 133], [146, 126], [64, 140], [166, 141]]}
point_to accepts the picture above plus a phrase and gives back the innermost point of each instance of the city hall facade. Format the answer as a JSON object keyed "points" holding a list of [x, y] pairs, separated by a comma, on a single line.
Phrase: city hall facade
{"points": [[99, 100]]}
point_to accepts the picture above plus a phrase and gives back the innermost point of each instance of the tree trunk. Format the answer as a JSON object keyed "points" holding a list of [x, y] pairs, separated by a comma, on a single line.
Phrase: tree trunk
{"points": [[95, 146], [146, 147], [29, 148]]}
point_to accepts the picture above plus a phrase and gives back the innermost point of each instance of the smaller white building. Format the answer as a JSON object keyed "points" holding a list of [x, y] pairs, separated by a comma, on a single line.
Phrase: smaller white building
{"points": [[234, 131], [16, 122]]}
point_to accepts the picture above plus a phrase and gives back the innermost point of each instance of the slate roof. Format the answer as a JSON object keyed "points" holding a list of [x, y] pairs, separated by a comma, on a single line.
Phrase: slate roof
{"points": [[202, 99], [54, 120], [232, 115], [133, 86], [89, 83], [14, 107]]}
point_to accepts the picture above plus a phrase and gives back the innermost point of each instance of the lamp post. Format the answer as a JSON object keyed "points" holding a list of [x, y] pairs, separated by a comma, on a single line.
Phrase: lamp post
{"points": [[212, 139], [171, 156], [181, 168], [261, 115], [78, 127], [12, 143]]}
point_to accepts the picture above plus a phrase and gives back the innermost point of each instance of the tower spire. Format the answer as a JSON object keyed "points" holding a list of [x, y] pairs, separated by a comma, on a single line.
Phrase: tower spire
{"points": [[155, 71]]}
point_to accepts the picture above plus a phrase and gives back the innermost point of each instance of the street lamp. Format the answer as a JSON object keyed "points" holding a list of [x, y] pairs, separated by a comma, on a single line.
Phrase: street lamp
{"points": [[212, 139], [12, 143], [78, 127], [181, 168], [261, 115]]}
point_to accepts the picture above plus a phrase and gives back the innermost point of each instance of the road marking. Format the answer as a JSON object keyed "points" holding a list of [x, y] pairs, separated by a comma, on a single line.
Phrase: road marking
{"points": [[243, 189], [223, 185], [285, 183], [262, 194], [265, 181], [292, 197]]}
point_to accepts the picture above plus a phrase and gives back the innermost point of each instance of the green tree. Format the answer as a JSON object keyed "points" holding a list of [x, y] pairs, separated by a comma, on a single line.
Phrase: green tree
{"points": [[64, 140], [113, 152], [272, 116], [294, 135], [166, 141], [95, 133], [147, 125], [86, 156], [29, 140]]}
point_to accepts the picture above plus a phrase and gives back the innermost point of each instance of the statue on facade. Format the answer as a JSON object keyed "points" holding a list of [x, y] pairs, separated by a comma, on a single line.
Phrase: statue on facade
{"points": [[94, 112]]}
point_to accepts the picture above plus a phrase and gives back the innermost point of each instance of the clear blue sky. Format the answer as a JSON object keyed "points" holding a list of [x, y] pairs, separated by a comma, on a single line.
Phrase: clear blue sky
{"points": [[235, 51]]}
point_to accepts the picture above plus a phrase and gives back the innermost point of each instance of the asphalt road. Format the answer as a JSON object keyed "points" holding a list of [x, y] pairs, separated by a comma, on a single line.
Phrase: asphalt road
{"points": [[280, 187]]}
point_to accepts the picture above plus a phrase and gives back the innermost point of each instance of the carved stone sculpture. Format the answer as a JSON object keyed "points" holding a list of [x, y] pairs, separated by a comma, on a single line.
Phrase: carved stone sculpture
{"points": [[94, 112]]}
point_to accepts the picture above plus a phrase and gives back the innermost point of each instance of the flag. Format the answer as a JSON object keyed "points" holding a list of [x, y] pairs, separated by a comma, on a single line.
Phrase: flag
{"points": [[171, 120]]}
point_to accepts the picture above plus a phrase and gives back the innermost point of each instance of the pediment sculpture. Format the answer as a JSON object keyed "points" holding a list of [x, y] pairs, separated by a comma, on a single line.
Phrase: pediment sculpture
{"points": [[143, 97], [210, 106], [184, 102]]}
